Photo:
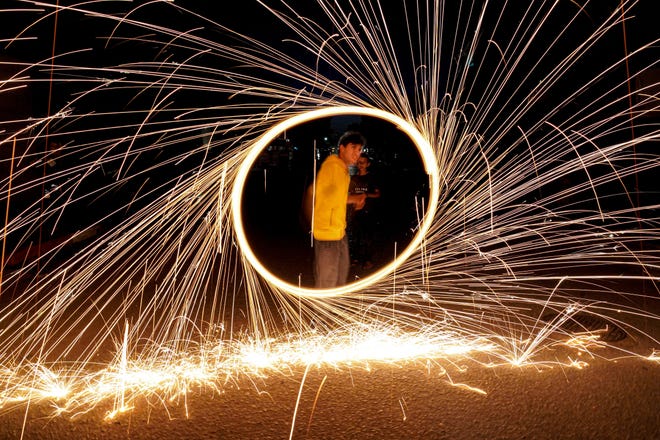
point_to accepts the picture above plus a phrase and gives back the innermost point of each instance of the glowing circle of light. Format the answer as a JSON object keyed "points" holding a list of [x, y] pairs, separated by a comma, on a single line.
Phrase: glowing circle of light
{"points": [[430, 165]]}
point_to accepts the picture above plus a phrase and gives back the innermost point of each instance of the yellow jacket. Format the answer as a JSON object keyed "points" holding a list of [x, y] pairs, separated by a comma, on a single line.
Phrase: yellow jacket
{"points": [[330, 202]]}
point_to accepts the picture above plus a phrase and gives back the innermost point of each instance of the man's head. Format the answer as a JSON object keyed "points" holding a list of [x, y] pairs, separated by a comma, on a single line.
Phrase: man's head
{"points": [[363, 163], [350, 147]]}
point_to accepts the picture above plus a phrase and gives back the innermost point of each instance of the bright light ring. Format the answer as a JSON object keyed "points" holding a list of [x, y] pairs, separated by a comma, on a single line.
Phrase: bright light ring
{"points": [[430, 165]]}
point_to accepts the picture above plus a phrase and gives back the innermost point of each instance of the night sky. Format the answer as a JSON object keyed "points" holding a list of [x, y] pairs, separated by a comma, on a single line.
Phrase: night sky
{"points": [[74, 32]]}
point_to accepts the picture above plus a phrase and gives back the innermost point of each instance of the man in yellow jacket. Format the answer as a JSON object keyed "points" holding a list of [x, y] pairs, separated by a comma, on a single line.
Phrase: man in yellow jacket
{"points": [[331, 256]]}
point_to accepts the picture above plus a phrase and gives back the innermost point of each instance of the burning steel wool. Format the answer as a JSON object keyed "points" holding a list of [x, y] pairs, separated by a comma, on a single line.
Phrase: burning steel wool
{"points": [[129, 267]]}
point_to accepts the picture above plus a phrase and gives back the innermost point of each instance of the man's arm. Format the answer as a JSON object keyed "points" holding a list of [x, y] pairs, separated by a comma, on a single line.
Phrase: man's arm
{"points": [[357, 200]]}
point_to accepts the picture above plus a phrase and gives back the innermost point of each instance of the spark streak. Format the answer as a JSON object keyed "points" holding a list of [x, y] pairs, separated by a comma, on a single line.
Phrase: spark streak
{"points": [[519, 116]]}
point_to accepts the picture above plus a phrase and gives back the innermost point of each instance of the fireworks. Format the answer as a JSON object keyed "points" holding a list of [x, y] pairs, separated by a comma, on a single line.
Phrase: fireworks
{"points": [[522, 125]]}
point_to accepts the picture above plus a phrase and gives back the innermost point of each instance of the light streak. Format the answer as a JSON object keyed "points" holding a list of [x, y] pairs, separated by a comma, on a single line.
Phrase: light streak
{"points": [[221, 363], [469, 388], [502, 239], [316, 399], [430, 166]]}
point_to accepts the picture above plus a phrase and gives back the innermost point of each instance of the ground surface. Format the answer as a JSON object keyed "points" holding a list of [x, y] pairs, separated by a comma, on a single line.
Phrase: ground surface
{"points": [[606, 400]]}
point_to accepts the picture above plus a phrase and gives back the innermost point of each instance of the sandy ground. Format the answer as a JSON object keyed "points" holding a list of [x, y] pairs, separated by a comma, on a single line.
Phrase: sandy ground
{"points": [[606, 400]]}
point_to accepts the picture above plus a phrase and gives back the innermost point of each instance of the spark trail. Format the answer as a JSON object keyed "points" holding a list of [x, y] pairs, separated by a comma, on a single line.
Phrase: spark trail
{"points": [[522, 117]]}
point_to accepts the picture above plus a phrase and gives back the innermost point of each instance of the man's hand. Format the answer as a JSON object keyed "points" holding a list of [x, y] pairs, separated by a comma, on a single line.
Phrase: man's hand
{"points": [[357, 200]]}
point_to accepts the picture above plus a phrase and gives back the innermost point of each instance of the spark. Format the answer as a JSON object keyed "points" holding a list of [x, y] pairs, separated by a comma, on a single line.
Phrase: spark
{"points": [[654, 356], [528, 210], [219, 364], [469, 388]]}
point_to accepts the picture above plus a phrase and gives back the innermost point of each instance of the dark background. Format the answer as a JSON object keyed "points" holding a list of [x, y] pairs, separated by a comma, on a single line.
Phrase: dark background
{"points": [[104, 197]]}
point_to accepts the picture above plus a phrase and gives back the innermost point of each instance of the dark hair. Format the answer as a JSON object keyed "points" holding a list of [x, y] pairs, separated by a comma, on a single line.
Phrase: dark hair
{"points": [[352, 137]]}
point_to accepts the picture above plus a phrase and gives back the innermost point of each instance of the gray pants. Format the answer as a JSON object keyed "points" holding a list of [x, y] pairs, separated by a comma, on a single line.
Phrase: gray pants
{"points": [[331, 263]]}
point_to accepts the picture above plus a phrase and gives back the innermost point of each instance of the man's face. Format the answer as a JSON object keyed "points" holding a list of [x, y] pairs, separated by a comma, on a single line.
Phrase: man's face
{"points": [[363, 164], [350, 153]]}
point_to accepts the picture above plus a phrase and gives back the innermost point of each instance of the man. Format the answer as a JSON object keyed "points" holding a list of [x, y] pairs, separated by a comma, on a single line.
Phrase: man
{"points": [[331, 255], [361, 223]]}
